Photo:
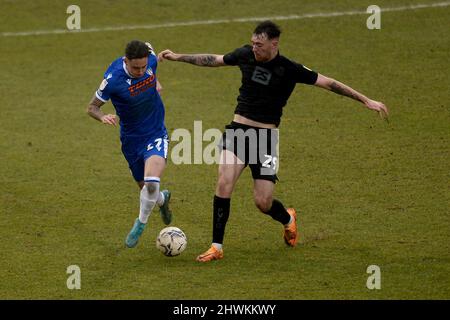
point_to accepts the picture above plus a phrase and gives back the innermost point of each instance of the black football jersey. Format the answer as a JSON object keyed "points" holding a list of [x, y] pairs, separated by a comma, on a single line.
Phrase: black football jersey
{"points": [[266, 86]]}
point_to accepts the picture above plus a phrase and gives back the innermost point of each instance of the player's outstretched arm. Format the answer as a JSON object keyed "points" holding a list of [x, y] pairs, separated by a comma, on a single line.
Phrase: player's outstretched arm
{"points": [[204, 60], [94, 111], [344, 90]]}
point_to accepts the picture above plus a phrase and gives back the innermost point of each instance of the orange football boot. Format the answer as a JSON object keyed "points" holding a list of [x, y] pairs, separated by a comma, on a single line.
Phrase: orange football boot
{"points": [[290, 231], [212, 254]]}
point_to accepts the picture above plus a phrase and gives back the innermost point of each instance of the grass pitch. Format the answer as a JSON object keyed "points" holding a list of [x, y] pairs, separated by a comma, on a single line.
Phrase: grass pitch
{"points": [[368, 192]]}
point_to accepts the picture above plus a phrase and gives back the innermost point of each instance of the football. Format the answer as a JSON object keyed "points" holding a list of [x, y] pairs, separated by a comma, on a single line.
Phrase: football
{"points": [[171, 241]]}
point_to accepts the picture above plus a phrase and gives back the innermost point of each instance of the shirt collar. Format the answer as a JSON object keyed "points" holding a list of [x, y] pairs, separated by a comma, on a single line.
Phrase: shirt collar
{"points": [[125, 68]]}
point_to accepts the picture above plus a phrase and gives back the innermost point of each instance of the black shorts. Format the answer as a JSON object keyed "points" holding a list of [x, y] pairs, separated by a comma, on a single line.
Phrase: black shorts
{"points": [[255, 147]]}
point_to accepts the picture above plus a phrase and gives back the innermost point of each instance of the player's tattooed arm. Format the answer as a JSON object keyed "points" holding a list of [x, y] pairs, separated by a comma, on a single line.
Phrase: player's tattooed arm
{"points": [[207, 60], [340, 88], [94, 108], [95, 112], [344, 90], [204, 60]]}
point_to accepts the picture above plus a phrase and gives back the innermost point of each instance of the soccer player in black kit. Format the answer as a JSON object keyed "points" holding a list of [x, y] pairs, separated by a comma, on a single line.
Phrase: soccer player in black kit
{"points": [[268, 80]]}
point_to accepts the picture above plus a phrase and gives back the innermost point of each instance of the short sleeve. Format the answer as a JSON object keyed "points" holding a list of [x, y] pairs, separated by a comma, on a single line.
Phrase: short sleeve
{"points": [[104, 90], [235, 57], [152, 62], [304, 74]]}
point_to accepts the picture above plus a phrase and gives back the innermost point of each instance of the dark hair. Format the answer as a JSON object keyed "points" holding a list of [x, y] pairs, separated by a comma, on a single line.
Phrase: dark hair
{"points": [[269, 28], [136, 50]]}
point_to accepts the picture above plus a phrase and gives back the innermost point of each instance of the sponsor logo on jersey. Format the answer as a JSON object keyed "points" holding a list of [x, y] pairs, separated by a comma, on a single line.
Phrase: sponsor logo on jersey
{"points": [[261, 75], [142, 86]]}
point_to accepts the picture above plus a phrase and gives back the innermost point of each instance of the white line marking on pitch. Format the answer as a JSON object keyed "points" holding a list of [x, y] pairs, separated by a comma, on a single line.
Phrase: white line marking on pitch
{"points": [[209, 22]]}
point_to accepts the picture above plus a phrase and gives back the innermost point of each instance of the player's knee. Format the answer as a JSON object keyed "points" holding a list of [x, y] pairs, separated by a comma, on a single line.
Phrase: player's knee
{"points": [[152, 187], [263, 203], [224, 187], [223, 191]]}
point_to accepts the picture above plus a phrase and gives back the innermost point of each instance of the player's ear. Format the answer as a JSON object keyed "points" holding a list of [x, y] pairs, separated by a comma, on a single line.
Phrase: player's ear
{"points": [[275, 42]]}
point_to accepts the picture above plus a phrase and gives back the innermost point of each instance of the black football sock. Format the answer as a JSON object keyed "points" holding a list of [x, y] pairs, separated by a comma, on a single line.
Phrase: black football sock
{"points": [[278, 212], [221, 208]]}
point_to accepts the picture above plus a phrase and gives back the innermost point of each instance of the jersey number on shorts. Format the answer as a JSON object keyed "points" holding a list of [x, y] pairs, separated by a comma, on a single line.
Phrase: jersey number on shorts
{"points": [[158, 145], [270, 161]]}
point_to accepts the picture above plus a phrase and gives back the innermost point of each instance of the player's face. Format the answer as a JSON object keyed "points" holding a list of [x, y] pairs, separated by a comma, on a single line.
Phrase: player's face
{"points": [[263, 48], [136, 67]]}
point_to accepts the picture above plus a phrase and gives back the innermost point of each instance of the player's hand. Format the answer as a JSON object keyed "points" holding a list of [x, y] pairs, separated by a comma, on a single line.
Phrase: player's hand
{"points": [[167, 55], [109, 119], [379, 107]]}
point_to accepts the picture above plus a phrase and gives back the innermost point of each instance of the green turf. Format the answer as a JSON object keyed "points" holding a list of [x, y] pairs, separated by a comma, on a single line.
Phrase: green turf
{"points": [[369, 192]]}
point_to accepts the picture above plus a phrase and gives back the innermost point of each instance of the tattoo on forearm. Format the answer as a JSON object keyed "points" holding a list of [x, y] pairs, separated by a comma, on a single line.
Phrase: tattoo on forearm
{"points": [[340, 89], [94, 108], [200, 60], [96, 102]]}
